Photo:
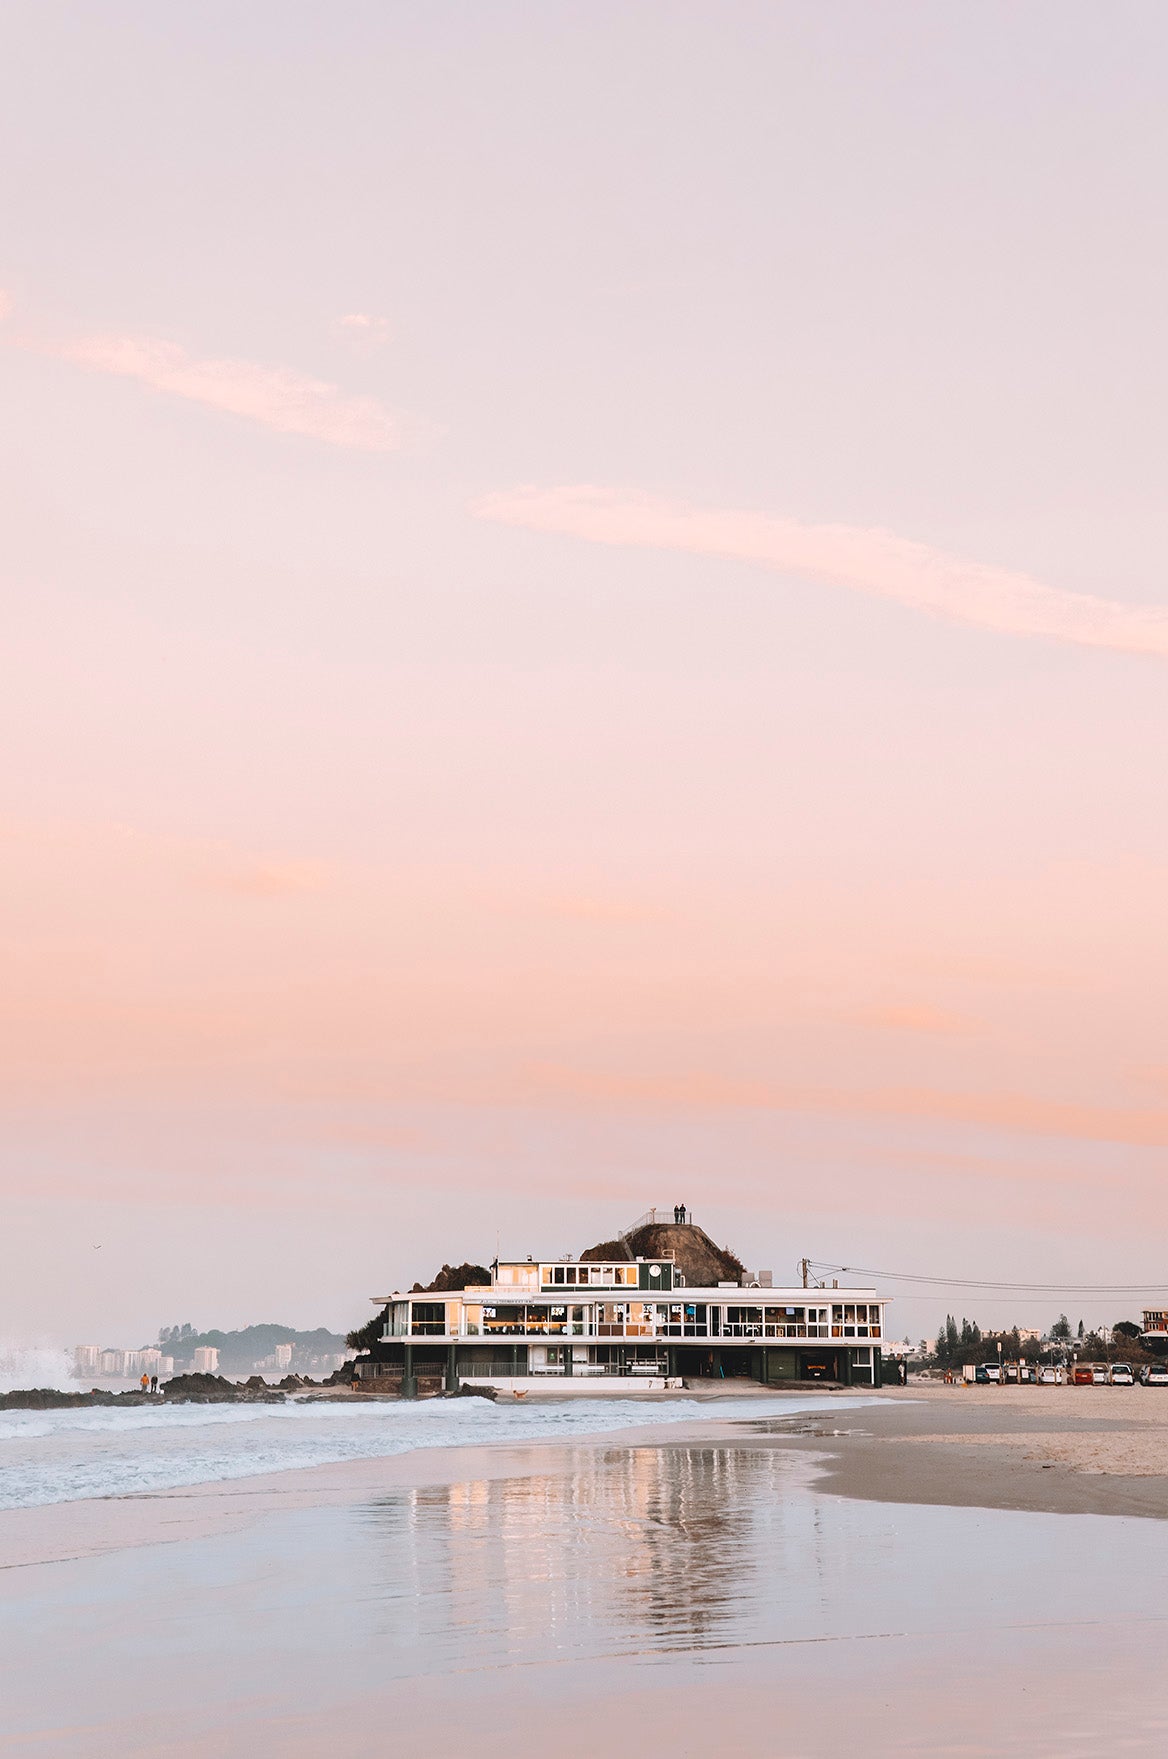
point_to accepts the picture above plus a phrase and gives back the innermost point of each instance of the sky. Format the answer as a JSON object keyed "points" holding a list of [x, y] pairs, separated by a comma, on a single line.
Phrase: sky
{"points": [[584, 628]]}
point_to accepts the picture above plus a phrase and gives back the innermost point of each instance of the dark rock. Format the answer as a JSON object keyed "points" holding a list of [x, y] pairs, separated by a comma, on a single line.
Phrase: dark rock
{"points": [[212, 1389], [703, 1264]]}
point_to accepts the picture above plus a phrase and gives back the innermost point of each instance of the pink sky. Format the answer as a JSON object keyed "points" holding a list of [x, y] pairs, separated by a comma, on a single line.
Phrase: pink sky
{"points": [[585, 627]]}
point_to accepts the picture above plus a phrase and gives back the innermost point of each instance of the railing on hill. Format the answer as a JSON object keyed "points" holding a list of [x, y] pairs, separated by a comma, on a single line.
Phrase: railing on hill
{"points": [[655, 1218]]}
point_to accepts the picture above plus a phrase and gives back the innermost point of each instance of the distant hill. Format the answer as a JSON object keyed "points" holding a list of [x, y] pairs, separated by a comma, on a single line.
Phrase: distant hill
{"points": [[242, 1351]]}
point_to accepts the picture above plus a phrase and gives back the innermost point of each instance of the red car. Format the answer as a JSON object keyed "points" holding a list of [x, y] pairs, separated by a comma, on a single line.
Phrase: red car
{"points": [[1082, 1374]]}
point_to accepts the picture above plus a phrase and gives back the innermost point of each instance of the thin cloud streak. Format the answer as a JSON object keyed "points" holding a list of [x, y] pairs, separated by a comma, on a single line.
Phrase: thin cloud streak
{"points": [[1008, 1113], [868, 560], [274, 396]]}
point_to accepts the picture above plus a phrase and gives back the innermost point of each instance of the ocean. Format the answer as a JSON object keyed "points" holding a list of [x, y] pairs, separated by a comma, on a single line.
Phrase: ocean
{"points": [[65, 1456]]}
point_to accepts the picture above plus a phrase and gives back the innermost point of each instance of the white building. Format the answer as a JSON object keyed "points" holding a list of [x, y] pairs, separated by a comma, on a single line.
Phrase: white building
{"points": [[633, 1318], [206, 1359], [86, 1360]]}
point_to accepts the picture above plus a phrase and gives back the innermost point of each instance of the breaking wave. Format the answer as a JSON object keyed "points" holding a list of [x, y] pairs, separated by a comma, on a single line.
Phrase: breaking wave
{"points": [[65, 1456]]}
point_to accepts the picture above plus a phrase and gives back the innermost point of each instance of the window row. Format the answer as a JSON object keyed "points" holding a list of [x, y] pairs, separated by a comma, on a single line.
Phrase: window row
{"points": [[603, 1276]]}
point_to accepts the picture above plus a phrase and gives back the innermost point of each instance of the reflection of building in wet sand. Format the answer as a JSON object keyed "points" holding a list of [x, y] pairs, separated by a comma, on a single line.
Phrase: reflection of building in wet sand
{"points": [[625, 1550]]}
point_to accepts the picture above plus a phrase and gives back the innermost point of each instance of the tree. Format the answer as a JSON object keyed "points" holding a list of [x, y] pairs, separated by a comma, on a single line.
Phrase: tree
{"points": [[1082, 1331], [948, 1343], [1124, 1328], [368, 1334], [1060, 1331], [453, 1277]]}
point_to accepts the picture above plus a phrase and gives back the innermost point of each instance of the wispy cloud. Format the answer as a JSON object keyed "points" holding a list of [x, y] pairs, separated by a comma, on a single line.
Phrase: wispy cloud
{"points": [[868, 560], [271, 879], [912, 1017], [364, 328], [699, 1091], [275, 396]]}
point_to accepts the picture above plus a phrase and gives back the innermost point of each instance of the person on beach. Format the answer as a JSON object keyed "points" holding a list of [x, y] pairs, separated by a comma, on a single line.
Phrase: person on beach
{"points": [[144, 1383], [153, 1383]]}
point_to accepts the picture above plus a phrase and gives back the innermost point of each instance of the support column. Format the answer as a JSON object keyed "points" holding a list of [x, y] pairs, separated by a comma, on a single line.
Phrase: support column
{"points": [[847, 1367], [877, 1365], [409, 1385], [451, 1370]]}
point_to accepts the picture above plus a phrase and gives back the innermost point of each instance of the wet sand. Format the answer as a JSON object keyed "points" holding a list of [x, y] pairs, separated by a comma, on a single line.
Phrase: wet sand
{"points": [[763, 1587], [1064, 1450]]}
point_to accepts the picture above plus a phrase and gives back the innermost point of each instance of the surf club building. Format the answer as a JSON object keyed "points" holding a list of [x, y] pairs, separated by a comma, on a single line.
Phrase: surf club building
{"points": [[578, 1324]]}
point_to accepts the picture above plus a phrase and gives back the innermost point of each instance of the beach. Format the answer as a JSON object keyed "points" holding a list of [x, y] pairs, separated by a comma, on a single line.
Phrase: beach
{"points": [[901, 1573], [1064, 1450]]}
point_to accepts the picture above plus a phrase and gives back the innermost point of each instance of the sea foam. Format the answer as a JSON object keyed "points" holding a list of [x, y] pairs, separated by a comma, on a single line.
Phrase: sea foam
{"points": [[64, 1456]]}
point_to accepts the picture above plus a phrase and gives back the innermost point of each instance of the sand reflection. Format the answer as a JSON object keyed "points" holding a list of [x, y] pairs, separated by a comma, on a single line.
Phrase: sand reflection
{"points": [[625, 1551]]}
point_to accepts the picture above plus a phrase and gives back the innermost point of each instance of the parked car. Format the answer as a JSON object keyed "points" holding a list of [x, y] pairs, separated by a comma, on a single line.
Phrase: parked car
{"points": [[1121, 1374], [990, 1371], [1026, 1372], [1154, 1374], [1099, 1373], [1082, 1374], [1050, 1375]]}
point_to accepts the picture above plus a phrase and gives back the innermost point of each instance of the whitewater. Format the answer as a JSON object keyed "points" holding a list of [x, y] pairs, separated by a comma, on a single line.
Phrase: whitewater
{"points": [[67, 1456]]}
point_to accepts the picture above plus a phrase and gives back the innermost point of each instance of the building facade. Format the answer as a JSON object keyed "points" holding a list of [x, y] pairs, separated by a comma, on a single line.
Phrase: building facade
{"points": [[571, 1317], [1154, 1336]]}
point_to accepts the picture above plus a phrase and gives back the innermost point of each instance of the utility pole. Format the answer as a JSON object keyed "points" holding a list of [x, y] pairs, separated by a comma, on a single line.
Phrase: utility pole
{"points": [[803, 1268]]}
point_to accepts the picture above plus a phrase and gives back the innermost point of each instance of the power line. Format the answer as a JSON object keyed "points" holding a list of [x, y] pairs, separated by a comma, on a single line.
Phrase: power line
{"points": [[940, 1282]]}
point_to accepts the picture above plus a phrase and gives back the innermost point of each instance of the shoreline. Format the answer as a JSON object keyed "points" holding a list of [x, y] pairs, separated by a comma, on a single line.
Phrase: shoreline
{"points": [[704, 1582], [1048, 1450], [87, 1527], [1089, 1451]]}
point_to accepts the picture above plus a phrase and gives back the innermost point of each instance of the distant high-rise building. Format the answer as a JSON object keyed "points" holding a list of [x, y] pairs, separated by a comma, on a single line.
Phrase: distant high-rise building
{"points": [[283, 1355], [86, 1359], [112, 1362], [206, 1359]]}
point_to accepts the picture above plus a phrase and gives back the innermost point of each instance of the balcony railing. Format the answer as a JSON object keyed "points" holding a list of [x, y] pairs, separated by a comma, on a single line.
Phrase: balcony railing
{"points": [[613, 1330], [499, 1370]]}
